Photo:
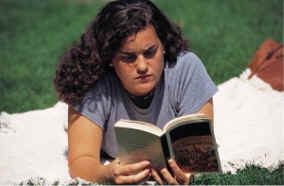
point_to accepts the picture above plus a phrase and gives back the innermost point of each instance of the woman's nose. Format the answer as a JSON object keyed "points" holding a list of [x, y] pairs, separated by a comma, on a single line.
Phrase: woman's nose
{"points": [[141, 65]]}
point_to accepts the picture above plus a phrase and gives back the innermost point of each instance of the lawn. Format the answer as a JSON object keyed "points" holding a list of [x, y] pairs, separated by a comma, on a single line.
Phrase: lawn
{"points": [[225, 34]]}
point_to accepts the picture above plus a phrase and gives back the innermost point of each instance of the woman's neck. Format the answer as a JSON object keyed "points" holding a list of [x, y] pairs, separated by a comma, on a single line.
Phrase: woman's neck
{"points": [[143, 101]]}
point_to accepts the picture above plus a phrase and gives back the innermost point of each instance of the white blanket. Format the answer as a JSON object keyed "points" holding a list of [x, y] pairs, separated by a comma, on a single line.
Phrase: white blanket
{"points": [[248, 127]]}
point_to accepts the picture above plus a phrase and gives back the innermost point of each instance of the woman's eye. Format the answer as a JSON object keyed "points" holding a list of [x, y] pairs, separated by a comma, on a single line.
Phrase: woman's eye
{"points": [[128, 58], [150, 53]]}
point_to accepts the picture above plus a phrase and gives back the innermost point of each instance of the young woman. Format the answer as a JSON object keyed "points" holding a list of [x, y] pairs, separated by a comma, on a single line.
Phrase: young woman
{"points": [[131, 63]]}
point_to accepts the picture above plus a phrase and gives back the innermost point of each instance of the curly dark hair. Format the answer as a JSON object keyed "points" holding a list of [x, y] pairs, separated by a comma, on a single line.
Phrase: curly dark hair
{"points": [[88, 60]]}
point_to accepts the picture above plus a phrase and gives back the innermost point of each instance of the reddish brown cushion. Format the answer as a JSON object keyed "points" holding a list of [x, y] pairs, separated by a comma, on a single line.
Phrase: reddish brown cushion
{"points": [[267, 64]]}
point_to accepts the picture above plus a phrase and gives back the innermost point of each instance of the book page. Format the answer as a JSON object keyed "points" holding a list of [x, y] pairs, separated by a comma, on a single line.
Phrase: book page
{"points": [[139, 125], [196, 154], [137, 145], [187, 119]]}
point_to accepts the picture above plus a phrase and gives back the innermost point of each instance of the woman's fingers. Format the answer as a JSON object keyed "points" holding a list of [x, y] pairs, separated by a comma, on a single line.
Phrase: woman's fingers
{"points": [[134, 168], [179, 175], [168, 177], [156, 176], [131, 173], [137, 172], [135, 178]]}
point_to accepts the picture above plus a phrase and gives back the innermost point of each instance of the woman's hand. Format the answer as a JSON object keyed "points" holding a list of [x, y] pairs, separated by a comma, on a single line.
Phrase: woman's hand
{"points": [[130, 173], [178, 177]]}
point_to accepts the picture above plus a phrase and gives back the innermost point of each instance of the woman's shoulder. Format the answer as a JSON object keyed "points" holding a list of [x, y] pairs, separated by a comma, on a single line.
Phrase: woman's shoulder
{"points": [[185, 60], [188, 57], [105, 86]]}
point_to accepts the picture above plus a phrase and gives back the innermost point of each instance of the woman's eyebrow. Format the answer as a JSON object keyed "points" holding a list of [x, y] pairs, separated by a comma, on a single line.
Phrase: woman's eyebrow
{"points": [[134, 53], [127, 53], [150, 47]]}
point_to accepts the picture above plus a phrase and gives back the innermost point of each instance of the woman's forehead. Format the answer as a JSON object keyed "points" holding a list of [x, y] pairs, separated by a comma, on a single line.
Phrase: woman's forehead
{"points": [[141, 40]]}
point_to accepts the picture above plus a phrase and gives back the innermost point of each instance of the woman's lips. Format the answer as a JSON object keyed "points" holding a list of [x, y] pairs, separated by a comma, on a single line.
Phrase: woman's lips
{"points": [[143, 77]]}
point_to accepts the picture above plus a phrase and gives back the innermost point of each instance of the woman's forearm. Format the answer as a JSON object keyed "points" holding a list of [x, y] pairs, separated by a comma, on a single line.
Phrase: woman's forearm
{"points": [[89, 169]]}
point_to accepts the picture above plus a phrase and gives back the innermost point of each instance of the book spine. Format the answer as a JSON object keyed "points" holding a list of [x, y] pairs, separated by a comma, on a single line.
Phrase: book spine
{"points": [[166, 150], [216, 151], [165, 147], [170, 146]]}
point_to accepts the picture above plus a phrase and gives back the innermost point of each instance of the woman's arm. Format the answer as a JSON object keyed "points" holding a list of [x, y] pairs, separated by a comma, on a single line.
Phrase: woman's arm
{"points": [[84, 146], [208, 109]]}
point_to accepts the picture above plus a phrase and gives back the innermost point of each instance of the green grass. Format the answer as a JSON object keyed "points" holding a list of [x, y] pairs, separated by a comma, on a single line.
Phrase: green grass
{"points": [[33, 35], [225, 34], [250, 175]]}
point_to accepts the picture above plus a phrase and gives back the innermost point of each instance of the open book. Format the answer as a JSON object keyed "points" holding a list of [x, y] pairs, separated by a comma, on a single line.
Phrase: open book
{"points": [[188, 139]]}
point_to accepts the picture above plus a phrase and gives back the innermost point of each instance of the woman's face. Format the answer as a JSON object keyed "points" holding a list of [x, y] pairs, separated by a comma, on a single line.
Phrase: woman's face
{"points": [[139, 62]]}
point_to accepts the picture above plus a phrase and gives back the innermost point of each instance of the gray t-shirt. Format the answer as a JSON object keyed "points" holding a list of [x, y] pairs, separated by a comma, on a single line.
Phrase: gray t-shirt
{"points": [[184, 88]]}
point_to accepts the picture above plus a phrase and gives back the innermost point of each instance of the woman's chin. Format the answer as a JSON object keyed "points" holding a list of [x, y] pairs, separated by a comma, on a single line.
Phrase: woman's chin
{"points": [[142, 91]]}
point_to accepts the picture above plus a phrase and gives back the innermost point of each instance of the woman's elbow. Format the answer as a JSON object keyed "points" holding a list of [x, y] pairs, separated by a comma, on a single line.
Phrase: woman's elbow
{"points": [[85, 168]]}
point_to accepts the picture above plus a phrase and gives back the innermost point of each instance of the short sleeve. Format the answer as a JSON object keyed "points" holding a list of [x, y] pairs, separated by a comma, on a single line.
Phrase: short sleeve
{"points": [[195, 86], [96, 104]]}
